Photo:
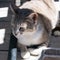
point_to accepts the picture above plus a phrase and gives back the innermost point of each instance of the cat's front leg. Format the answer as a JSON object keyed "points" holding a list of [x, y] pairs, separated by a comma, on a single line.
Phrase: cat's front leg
{"points": [[24, 51], [37, 51]]}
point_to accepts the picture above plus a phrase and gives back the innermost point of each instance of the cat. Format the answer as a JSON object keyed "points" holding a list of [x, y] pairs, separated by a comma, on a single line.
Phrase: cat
{"points": [[32, 25]]}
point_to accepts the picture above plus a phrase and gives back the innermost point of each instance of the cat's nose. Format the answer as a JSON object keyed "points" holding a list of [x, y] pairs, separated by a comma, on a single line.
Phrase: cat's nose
{"points": [[21, 29]]}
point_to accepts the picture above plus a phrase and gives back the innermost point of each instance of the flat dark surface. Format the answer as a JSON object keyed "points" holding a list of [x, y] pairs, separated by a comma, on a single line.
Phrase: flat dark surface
{"points": [[51, 54], [54, 42], [5, 0], [3, 55], [5, 25], [52, 58], [56, 0], [4, 4]]}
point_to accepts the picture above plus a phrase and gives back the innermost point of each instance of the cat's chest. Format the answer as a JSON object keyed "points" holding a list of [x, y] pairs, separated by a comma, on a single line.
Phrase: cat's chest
{"points": [[30, 39]]}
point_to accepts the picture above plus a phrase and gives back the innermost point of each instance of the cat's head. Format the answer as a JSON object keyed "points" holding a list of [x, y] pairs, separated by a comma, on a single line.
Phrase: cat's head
{"points": [[24, 20], [28, 21]]}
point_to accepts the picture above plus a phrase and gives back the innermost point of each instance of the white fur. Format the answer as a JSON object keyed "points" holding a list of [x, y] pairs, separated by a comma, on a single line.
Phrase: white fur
{"points": [[25, 55], [29, 38]]}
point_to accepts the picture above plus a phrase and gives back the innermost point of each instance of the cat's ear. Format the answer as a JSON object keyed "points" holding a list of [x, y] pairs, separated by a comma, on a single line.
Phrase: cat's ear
{"points": [[13, 8], [34, 17]]}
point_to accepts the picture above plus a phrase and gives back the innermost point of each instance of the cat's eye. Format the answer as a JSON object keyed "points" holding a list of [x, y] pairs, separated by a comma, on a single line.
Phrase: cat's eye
{"points": [[21, 29]]}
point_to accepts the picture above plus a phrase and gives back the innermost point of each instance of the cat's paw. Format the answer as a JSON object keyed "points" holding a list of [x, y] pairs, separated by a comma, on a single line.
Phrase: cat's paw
{"points": [[38, 51], [25, 55], [34, 52]]}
